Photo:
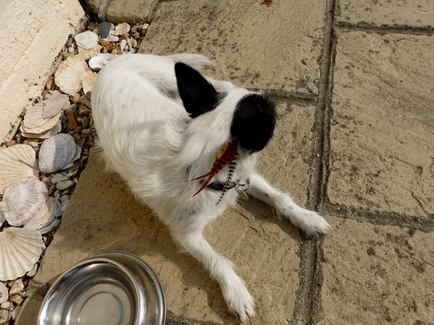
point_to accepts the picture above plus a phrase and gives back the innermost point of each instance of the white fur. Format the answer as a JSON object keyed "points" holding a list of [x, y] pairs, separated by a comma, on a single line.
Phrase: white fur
{"points": [[148, 137]]}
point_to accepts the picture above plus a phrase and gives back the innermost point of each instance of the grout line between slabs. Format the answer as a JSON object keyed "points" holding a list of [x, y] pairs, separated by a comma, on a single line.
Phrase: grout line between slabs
{"points": [[384, 29], [308, 296], [374, 217]]}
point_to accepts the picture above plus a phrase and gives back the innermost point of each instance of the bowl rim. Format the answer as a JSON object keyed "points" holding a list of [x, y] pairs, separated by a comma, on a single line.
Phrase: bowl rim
{"points": [[117, 258]]}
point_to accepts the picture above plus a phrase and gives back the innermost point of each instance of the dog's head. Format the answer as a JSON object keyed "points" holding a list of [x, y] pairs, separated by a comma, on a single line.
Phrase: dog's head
{"points": [[254, 116]]}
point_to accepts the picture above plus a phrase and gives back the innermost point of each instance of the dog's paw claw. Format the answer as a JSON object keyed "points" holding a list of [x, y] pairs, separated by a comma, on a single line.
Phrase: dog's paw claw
{"points": [[245, 314], [239, 300], [313, 224]]}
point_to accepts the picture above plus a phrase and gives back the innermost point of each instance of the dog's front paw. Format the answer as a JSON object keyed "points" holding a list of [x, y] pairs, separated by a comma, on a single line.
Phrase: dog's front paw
{"points": [[310, 222], [239, 300]]}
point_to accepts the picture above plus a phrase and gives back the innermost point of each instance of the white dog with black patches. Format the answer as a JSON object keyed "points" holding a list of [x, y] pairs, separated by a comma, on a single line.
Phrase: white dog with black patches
{"points": [[187, 146]]}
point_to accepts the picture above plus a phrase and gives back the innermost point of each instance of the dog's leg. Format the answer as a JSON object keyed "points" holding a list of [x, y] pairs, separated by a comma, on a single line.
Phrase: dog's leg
{"points": [[308, 221], [234, 289]]}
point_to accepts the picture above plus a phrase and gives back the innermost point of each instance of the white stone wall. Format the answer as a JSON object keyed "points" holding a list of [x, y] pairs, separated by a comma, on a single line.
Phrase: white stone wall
{"points": [[32, 33]]}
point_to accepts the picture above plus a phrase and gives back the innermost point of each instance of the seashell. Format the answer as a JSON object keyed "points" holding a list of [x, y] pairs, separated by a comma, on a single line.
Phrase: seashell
{"points": [[58, 152], [17, 162], [111, 38], [44, 217], [86, 40], [33, 117], [87, 54], [69, 76], [121, 29], [35, 123], [88, 82], [122, 44], [50, 226], [45, 135], [99, 61], [4, 295], [23, 200], [55, 104], [20, 249]]}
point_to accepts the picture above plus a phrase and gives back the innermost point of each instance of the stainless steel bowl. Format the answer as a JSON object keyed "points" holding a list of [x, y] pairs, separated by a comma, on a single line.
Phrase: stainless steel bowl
{"points": [[106, 288]]}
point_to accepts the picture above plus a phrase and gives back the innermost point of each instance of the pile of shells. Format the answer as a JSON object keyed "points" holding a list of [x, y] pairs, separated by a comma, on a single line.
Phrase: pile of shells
{"points": [[40, 166]]}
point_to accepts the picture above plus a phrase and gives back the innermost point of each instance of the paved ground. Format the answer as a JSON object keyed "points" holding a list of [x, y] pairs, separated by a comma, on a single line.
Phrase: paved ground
{"points": [[354, 85]]}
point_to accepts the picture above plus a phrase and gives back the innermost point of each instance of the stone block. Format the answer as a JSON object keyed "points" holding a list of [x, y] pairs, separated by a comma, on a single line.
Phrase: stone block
{"points": [[381, 136], [276, 48], [131, 11], [103, 215], [418, 13], [119, 11], [33, 33], [376, 275]]}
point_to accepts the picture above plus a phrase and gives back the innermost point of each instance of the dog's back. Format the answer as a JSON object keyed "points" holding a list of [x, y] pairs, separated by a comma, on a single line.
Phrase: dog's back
{"points": [[137, 92], [139, 116]]}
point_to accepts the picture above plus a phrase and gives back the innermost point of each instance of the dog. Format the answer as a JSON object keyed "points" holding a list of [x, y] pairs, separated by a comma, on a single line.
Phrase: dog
{"points": [[187, 146]]}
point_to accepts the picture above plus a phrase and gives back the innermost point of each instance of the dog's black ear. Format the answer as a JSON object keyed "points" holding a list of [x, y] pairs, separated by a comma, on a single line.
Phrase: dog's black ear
{"points": [[197, 94], [254, 122]]}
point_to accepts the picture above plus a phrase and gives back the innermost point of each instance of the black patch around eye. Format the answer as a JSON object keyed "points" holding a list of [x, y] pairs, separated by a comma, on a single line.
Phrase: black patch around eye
{"points": [[254, 122]]}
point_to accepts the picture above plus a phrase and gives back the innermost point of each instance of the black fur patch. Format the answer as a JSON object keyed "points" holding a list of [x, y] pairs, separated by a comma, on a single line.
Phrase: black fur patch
{"points": [[197, 94], [254, 122]]}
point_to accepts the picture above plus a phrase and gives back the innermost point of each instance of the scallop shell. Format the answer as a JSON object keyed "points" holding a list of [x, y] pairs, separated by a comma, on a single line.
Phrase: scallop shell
{"points": [[23, 200], [35, 123], [88, 82], [50, 226], [4, 294], [44, 217], [99, 61], [16, 162], [86, 40], [33, 117], [55, 104], [121, 29], [58, 152], [87, 54], [45, 135], [20, 249], [69, 76]]}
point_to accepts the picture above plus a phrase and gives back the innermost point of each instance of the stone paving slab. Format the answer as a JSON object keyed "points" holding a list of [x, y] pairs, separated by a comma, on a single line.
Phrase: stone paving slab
{"points": [[32, 35], [381, 137], [377, 275], [103, 215], [417, 13], [275, 48]]}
